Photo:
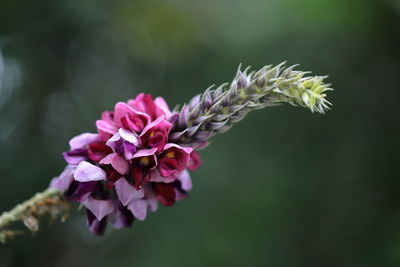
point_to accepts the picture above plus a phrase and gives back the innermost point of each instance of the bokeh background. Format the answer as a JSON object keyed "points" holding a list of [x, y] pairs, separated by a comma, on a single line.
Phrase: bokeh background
{"points": [[283, 188]]}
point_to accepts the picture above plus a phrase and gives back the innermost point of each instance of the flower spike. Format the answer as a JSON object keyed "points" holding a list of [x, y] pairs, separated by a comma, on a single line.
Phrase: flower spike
{"points": [[142, 152], [216, 110]]}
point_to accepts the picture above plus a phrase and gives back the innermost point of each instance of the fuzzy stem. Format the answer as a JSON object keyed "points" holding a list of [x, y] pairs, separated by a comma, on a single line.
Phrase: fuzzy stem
{"points": [[28, 209], [16, 213]]}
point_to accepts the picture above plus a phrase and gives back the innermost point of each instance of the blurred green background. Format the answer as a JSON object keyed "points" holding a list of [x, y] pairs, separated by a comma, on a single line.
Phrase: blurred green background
{"points": [[283, 188]]}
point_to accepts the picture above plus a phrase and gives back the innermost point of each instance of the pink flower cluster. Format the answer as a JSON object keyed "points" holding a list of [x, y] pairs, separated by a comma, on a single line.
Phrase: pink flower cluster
{"points": [[129, 166]]}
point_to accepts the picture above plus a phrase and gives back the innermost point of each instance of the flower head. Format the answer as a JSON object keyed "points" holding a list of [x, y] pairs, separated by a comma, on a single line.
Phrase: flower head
{"points": [[129, 166]]}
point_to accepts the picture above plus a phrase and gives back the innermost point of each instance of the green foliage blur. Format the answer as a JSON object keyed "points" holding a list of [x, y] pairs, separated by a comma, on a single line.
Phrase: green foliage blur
{"points": [[284, 187]]}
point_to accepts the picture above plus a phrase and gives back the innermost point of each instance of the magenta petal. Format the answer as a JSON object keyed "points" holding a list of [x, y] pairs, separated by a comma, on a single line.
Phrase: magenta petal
{"points": [[121, 109], [65, 179], [126, 192], [186, 181], [82, 140], [117, 162], [87, 172], [138, 209], [99, 208]]}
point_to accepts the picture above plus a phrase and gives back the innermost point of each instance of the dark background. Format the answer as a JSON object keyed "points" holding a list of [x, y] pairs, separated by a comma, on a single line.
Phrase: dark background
{"points": [[285, 187]]}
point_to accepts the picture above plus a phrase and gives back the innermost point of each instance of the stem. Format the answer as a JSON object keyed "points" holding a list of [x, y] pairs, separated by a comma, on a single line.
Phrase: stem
{"points": [[18, 211]]}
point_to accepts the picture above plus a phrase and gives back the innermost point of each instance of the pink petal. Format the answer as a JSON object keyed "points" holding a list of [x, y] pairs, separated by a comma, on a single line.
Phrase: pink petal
{"points": [[82, 140], [118, 162], [138, 209], [145, 152], [194, 161], [162, 104], [157, 178], [126, 192], [108, 116], [87, 172], [182, 159], [106, 128], [99, 208], [120, 111], [187, 150], [160, 122]]}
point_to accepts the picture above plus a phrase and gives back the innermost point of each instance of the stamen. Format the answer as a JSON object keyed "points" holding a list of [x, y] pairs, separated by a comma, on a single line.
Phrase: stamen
{"points": [[170, 154], [144, 161]]}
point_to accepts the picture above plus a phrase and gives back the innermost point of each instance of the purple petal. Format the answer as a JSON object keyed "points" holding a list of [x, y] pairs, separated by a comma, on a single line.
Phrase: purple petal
{"points": [[81, 191], [86, 172], [82, 140], [129, 136], [129, 150], [179, 195], [153, 204], [121, 146], [138, 209], [126, 192], [95, 226], [65, 179], [99, 208], [152, 200], [74, 157], [186, 181], [115, 142], [121, 217], [202, 145]]}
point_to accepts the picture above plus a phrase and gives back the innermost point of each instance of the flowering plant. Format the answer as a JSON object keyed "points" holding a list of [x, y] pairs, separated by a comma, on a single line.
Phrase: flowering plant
{"points": [[129, 166], [142, 152]]}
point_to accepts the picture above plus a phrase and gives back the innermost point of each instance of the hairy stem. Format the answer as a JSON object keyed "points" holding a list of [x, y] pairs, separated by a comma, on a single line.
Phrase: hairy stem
{"points": [[47, 202]]}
